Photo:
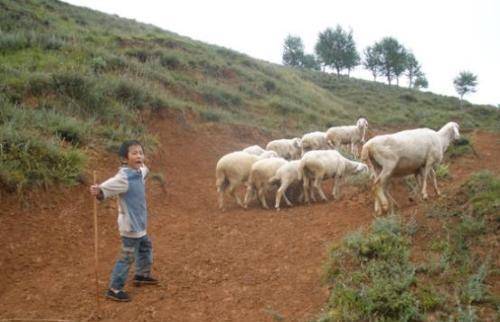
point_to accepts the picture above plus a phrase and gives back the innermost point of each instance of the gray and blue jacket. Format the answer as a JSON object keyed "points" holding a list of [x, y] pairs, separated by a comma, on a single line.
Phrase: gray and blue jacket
{"points": [[128, 185]]}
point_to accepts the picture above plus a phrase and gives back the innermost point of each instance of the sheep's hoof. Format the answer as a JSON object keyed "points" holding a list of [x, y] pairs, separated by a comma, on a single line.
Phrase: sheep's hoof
{"points": [[425, 197], [278, 209]]}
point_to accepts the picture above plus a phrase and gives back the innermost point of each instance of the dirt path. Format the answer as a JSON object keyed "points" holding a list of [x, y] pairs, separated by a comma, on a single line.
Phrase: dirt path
{"points": [[239, 265]]}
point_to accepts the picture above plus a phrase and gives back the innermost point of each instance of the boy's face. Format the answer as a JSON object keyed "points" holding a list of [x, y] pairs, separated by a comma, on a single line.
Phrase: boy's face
{"points": [[135, 157]]}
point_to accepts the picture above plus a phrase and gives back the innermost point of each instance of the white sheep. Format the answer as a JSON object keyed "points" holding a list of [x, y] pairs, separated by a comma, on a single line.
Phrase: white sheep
{"points": [[412, 152], [316, 166], [286, 175], [350, 134], [289, 149], [258, 180], [314, 141], [254, 149], [233, 170]]}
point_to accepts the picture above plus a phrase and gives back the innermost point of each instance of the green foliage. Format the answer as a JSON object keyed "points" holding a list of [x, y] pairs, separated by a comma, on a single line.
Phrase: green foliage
{"points": [[293, 51], [27, 161], [464, 83], [443, 171], [336, 48], [484, 191], [372, 276]]}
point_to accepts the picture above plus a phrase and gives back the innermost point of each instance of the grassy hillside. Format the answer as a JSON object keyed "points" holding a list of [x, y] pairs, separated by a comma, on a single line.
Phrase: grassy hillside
{"points": [[398, 271], [73, 79]]}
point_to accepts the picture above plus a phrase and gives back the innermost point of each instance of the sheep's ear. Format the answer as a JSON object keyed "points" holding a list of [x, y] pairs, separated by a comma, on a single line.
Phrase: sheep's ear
{"points": [[455, 131]]}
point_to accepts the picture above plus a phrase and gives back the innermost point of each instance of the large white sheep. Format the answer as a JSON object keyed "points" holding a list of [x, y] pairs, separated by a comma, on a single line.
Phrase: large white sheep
{"points": [[254, 149], [289, 149], [349, 134], [258, 180], [233, 170], [412, 152], [316, 166], [314, 141], [286, 175]]}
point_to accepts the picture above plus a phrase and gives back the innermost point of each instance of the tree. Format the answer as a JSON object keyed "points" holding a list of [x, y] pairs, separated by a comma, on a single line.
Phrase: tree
{"points": [[420, 81], [351, 57], [310, 62], [293, 51], [413, 69], [465, 82], [392, 58], [371, 61], [336, 48]]}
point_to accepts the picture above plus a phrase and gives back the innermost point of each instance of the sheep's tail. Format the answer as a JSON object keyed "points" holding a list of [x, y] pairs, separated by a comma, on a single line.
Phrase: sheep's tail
{"points": [[366, 158], [221, 181], [304, 172]]}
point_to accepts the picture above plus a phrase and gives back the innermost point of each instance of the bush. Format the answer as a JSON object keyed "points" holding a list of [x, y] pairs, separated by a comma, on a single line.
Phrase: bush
{"points": [[27, 161], [71, 84], [170, 61], [98, 65], [372, 276], [210, 116], [10, 42], [130, 94]]}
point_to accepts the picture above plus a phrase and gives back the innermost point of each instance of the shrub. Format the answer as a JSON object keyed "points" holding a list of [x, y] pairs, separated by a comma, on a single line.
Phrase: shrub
{"points": [[170, 61], [13, 41], [210, 116], [372, 276], [71, 84], [39, 85], [98, 65], [130, 94], [26, 161]]}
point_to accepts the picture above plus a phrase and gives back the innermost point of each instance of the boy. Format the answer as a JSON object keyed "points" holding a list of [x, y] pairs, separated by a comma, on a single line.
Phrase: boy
{"points": [[128, 184]]}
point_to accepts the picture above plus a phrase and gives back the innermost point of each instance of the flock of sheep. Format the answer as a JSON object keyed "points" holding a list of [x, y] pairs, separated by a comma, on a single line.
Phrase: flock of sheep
{"points": [[305, 162]]}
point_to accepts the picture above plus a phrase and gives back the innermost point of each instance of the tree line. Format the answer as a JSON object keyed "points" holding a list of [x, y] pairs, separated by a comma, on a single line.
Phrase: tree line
{"points": [[336, 50]]}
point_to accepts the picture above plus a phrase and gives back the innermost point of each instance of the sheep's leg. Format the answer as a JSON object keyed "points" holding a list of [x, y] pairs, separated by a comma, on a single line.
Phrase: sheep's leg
{"points": [[220, 199], [425, 174], [434, 181], [279, 194], [232, 191], [287, 200], [261, 192], [381, 187], [317, 185], [336, 187], [306, 190], [249, 195]]}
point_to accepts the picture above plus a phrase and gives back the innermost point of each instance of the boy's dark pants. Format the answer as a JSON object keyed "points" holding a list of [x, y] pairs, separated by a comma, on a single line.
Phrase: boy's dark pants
{"points": [[138, 249]]}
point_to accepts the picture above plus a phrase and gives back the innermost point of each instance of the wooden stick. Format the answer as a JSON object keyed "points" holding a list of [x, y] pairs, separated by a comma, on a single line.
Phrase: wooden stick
{"points": [[96, 257]]}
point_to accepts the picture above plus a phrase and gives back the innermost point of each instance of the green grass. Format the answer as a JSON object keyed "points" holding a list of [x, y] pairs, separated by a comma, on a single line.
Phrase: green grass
{"points": [[372, 277], [104, 71]]}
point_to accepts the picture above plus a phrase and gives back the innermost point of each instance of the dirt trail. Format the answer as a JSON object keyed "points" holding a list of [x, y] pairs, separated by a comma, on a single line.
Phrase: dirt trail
{"points": [[237, 265]]}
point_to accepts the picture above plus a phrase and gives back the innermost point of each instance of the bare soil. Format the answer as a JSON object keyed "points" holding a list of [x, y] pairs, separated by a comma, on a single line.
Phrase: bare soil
{"points": [[238, 265]]}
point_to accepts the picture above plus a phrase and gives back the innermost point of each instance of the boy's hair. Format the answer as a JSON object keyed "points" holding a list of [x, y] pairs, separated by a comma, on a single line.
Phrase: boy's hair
{"points": [[123, 151]]}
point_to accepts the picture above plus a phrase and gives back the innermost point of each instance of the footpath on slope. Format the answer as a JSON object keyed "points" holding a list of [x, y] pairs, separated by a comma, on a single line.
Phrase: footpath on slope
{"points": [[238, 265]]}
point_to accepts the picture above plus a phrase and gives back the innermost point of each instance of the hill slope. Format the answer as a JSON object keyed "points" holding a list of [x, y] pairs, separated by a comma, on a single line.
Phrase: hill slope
{"points": [[86, 78]]}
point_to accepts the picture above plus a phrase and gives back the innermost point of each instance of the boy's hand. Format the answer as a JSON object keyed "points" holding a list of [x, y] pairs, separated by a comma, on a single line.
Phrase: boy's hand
{"points": [[95, 190]]}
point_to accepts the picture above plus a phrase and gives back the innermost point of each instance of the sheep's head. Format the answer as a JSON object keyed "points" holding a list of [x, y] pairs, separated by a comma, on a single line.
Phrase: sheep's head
{"points": [[297, 142], [456, 128], [362, 123], [361, 168], [268, 154]]}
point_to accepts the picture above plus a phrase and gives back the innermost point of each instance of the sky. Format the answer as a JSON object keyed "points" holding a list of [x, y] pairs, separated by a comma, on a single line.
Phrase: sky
{"points": [[445, 36]]}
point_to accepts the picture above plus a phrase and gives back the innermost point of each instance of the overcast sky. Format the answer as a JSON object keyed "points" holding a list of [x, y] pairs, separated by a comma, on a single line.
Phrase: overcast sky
{"points": [[446, 36]]}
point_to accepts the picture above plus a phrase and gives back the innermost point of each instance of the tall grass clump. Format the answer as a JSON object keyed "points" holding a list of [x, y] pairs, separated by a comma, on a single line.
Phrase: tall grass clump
{"points": [[371, 276]]}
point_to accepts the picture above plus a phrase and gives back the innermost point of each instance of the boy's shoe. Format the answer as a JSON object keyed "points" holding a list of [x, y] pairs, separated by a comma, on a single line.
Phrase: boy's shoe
{"points": [[119, 296], [144, 280]]}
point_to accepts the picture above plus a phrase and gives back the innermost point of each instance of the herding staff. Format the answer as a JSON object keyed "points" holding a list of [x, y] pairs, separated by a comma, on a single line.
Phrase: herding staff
{"points": [[96, 257]]}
